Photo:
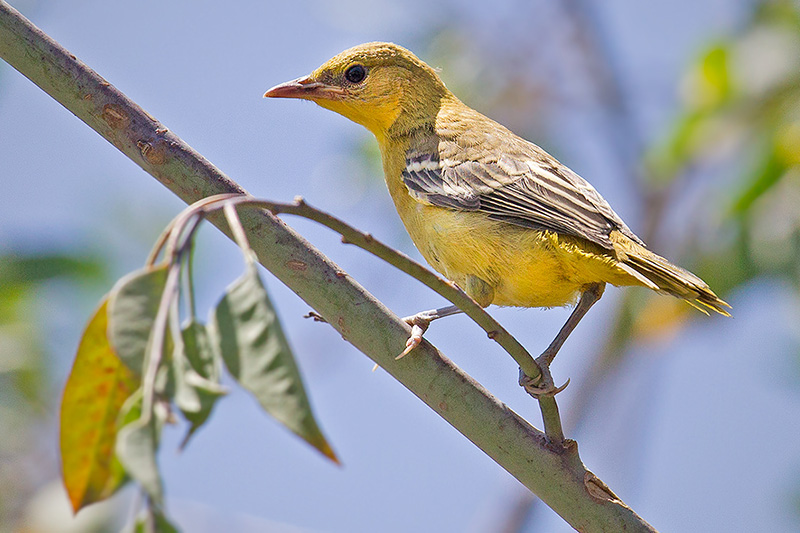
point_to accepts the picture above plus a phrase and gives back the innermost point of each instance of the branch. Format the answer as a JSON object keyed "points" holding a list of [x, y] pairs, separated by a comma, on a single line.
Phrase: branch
{"points": [[555, 474]]}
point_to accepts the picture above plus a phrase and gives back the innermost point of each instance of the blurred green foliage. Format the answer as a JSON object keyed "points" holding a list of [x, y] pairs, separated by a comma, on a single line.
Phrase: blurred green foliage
{"points": [[741, 113], [26, 392]]}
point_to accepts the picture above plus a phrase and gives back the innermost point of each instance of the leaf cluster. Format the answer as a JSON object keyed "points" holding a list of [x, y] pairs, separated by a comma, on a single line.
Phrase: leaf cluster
{"points": [[136, 365]]}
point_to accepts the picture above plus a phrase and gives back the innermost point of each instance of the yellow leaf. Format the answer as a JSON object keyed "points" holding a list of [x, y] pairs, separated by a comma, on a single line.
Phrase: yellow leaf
{"points": [[96, 389]]}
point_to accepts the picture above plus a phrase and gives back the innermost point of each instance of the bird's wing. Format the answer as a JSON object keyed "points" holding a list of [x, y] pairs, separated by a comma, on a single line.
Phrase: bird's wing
{"points": [[527, 189]]}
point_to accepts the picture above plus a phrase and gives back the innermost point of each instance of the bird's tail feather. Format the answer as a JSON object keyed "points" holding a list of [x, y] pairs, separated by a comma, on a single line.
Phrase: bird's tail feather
{"points": [[666, 277]]}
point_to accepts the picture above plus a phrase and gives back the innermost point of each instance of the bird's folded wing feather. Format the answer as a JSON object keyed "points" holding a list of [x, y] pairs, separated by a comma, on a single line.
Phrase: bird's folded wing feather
{"points": [[533, 191]]}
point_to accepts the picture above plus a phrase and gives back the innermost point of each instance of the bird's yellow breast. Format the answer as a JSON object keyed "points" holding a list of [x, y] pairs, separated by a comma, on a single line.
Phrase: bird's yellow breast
{"points": [[524, 267]]}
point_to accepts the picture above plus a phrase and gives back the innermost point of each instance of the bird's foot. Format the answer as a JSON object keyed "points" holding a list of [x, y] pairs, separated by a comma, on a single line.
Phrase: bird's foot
{"points": [[544, 385], [419, 325]]}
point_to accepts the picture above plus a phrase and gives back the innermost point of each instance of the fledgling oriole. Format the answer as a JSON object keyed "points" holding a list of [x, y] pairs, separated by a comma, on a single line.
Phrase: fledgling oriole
{"points": [[489, 210]]}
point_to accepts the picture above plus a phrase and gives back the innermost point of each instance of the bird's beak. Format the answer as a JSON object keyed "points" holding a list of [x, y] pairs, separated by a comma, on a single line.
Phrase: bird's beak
{"points": [[305, 88]]}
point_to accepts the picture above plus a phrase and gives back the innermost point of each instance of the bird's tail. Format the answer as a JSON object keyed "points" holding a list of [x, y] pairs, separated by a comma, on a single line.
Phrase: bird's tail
{"points": [[659, 274]]}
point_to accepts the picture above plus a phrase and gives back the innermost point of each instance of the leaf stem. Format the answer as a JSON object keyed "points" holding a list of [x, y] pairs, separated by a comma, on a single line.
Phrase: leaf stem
{"points": [[155, 351]]}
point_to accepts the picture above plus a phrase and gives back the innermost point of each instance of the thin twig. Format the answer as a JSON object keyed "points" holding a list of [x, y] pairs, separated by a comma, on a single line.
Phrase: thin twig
{"points": [[192, 215], [239, 234], [186, 244], [350, 235], [177, 225], [155, 351]]}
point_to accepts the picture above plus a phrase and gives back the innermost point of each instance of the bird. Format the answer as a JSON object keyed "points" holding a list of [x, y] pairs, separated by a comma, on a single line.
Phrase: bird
{"points": [[489, 210]]}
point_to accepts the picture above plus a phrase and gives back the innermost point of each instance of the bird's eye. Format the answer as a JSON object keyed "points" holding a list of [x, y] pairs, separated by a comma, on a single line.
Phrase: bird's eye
{"points": [[356, 73]]}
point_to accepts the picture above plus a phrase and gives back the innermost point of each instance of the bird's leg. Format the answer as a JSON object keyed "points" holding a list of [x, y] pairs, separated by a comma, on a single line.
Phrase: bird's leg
{"points": [[419, 324], [546, 385], [475, 287], [589, 297]]}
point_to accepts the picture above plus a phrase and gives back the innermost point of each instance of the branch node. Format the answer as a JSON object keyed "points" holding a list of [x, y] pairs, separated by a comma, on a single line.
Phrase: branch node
{"points": [[155, 155], [297, 265], [116, 116], [316, 317], [597, 489]]}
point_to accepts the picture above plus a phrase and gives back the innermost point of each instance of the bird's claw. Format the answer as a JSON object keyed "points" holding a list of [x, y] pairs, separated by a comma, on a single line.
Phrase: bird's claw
{"points": [[419, 324], [544, 386]]}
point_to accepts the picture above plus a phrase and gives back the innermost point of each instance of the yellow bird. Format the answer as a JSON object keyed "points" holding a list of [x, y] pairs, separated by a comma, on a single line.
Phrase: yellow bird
{"points": [[489, 210]]}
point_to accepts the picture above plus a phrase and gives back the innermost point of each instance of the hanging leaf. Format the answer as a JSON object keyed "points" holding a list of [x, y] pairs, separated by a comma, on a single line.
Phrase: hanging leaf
{"points": [[137, 444], [256, 353], [199, 351], [96, 390], [197, 376], [132, 309]]}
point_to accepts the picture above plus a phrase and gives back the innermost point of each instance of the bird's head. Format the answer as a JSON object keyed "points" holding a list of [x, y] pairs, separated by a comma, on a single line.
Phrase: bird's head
{"points": [[381, 86]]}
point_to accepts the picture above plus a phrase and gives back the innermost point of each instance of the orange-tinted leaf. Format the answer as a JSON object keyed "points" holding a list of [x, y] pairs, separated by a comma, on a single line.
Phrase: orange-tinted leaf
{"points": [[95, 391]]}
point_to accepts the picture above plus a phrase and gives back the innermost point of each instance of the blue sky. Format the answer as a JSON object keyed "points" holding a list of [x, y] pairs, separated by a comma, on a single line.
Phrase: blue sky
{"points": [[695, 433]]}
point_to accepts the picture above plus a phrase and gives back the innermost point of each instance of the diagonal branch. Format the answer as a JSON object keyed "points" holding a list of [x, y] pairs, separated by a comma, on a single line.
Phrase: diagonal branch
{"points": [[555, 474]]}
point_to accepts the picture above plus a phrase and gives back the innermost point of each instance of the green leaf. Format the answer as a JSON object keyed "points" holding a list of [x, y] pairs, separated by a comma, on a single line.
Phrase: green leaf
{"points": [[137, 444], [256, 353], [197, 376], [200, 352], [667, 159], [716, 84], [20, 272], [133, 305], [35, 268], [766, 176], [96, 390]]}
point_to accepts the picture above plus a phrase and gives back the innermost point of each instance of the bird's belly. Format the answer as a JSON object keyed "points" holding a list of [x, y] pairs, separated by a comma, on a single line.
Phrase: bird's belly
{"points": [[524, 267]]}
